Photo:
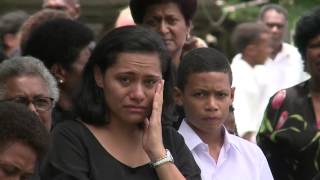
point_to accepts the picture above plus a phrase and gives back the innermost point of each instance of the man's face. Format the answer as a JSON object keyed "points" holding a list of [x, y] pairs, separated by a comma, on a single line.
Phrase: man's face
{"points": [[71, 7], [277, 23]]}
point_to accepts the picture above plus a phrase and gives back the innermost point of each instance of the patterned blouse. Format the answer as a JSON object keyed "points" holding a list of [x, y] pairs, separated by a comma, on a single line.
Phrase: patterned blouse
{"points": [[289, 135]]}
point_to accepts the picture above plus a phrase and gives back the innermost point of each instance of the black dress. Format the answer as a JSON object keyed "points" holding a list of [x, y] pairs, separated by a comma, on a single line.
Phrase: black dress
{"points": [[289, 135], [77, 154], [60, 115]]}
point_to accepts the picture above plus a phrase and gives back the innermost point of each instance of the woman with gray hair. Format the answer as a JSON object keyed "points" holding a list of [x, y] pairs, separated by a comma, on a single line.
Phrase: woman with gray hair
{"points": [[27, 81]]}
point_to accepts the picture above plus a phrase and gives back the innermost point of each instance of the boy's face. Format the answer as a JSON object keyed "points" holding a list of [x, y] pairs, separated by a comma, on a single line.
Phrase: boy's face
{"points": [[206, 99], [262, 49]]}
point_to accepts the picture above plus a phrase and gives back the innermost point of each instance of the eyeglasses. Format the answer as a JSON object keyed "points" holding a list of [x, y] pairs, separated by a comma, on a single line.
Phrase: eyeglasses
{"points": [[40, 103]]}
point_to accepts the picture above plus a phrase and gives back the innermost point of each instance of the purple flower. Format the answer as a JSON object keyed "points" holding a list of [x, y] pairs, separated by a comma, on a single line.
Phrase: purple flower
{"points": [[278, 99]]}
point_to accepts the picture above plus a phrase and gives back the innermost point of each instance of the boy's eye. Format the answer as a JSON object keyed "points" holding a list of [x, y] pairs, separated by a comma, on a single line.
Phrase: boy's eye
{"points": [[124, 80], [199, 94], [221, 94]]}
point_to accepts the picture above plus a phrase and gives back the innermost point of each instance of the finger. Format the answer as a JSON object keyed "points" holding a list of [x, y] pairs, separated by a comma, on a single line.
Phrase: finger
{"points": [[157, 102], [146, 124]]}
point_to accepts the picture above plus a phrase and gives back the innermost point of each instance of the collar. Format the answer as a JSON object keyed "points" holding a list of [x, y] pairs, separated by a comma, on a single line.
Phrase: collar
{"points": [[285, 51], [193, 140]]}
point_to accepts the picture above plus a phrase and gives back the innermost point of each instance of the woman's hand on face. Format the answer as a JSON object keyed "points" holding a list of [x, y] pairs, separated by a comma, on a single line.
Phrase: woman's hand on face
{"points": [[152, 137]]}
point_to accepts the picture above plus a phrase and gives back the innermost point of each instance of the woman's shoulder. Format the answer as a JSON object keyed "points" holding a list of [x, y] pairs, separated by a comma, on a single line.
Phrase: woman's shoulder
{"points": [[70, 128], [70, 124], [296, 91]]}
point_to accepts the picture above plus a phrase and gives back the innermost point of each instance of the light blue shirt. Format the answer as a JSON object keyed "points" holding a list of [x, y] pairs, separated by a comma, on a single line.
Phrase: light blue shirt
{"points": [[238, 159]]}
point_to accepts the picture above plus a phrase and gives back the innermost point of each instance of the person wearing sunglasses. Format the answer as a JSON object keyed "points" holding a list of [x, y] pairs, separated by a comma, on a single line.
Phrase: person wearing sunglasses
{"points": [[25, 80]]}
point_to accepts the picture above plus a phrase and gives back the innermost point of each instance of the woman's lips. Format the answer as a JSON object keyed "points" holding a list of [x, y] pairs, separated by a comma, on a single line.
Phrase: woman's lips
{"points": [[136, 109]]}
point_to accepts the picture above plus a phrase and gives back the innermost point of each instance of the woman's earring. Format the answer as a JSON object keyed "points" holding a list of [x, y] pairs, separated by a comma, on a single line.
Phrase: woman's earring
{"points": [[60, 81], [188, 37]]}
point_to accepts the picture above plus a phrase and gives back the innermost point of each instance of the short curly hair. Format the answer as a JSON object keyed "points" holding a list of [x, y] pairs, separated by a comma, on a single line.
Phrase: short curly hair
{"points": [[202, 60], [58, 41], [19, 124], [23, 66], [138, 8], [307, 28], [37, 19]]}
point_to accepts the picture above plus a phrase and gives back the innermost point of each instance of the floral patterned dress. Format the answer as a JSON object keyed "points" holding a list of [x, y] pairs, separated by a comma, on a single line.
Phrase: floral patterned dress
{"points": [[289, 135]]}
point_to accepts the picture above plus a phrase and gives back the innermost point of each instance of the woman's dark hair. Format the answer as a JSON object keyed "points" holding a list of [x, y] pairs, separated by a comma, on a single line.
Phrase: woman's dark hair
{"points": [[307, 28], [138, 8], [91, 104], [58, 41], [19, 124], [202, 60]]}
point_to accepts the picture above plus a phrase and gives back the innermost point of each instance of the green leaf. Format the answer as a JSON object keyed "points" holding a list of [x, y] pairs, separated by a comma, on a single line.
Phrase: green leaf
{"points": [[275, 133], [299, 118]]}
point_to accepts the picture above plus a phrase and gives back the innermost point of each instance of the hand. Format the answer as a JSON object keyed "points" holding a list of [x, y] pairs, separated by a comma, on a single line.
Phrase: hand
{"points": [[152, 136]]}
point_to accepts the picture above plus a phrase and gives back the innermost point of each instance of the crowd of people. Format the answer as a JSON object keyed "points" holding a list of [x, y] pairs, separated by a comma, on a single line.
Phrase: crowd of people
{"points": [[149, 100]]}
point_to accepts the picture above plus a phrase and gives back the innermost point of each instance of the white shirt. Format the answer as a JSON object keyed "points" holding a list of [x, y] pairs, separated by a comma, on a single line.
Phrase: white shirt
{"points": [[285, 70], [251, 95], [238, 159]]}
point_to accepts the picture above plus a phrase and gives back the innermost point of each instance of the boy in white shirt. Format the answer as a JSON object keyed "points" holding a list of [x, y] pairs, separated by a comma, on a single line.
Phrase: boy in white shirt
{"points": [[204, 90]]}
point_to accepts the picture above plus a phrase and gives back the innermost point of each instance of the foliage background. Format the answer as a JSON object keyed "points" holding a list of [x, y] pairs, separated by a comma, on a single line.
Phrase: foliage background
{"points": [[223, 32]]}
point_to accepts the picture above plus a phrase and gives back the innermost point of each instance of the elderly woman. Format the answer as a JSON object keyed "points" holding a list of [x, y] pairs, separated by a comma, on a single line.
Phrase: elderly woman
{"points": [[27, 81], [170, 18], [23, 141], [119, 133], [63, 46], [289, 134]]}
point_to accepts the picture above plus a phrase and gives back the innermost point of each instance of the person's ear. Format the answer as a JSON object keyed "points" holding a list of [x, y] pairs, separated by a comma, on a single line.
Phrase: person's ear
{"points": [[59, 73], [98, 77], [10, 40], [189, 28], [232, 93], [178, 96]]}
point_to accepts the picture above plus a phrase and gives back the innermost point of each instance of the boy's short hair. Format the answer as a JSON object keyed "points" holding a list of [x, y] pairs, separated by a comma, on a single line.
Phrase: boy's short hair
{"points": [[246, 34], [202, 60]]}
